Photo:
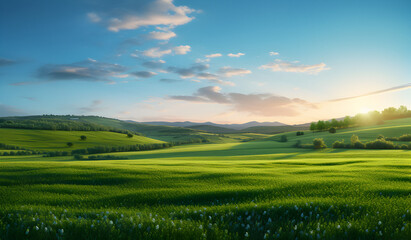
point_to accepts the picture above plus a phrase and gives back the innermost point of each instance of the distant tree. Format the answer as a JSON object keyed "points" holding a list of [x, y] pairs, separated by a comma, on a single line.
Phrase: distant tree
{"points": [[380, 136], [299, 133], [332, 130], [320, 125], [283, 138], [83, 137], [70, 144], [313, 126], [354, 139], [319, 143], [335, 123], [129, 135]]}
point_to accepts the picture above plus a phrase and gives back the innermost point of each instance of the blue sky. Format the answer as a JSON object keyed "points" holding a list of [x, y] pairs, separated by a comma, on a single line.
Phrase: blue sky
{"points": [[221, 61]]}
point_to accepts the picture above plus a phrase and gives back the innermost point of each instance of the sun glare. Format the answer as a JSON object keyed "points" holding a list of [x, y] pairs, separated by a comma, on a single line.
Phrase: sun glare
{"points": [[365, 110]]}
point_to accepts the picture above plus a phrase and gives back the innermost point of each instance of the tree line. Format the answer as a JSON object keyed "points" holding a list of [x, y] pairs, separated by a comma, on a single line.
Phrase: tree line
{"points": [[373, 117], [56, 124]]}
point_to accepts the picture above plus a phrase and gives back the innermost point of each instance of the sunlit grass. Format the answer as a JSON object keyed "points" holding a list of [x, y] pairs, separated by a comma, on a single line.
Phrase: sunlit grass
{"points": [[211, 191]]}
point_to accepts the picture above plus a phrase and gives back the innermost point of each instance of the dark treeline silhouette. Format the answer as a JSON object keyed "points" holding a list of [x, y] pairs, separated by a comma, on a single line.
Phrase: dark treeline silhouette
{"points": [[371, 118], [51, 122]]}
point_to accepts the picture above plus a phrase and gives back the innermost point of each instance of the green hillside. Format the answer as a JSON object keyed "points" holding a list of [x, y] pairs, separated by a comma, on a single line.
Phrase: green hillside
{"points": [[274, 129], [259, 189], [390, 128], [212, 129], [48, 140]]}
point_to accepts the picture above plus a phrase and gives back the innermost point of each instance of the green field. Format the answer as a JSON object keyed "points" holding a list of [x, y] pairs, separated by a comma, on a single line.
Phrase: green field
{"points": [[210, 191], [392, 128], [241, 186], [47, 140]]}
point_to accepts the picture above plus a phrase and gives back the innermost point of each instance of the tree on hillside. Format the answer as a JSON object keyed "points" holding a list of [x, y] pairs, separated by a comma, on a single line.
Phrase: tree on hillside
{"points": [[320, 125], [70, 144], [313, 126], [319, 143], [332, 130], [283, 138], [354, 139], [129, 135], [83, 137]]}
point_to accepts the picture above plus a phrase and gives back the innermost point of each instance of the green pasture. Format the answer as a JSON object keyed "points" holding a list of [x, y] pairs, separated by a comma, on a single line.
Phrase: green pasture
{"points": [[243, 190], [48, 140], [392, 128]]}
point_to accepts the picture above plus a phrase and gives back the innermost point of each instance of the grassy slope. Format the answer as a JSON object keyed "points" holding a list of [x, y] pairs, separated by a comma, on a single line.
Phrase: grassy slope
{"points": [[56, 140], [354, 189], [393, 128]]}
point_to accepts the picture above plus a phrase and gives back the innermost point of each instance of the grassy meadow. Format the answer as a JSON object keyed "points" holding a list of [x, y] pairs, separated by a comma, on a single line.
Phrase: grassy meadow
{"points": [[252, 190], [239, 186], [47, 140]]}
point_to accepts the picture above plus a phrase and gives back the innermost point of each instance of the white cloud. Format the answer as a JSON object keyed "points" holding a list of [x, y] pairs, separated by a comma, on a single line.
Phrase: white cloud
{"points": [[135, 14], [161, 35], [229, 71], [156, 52], [274, 53], [214, 55], [284, 66], [181, 50], [235, 55], [199, 60], [93, 17]]}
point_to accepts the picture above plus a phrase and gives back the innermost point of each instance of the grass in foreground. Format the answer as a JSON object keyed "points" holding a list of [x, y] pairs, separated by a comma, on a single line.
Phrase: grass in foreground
{"points": [[250, 190]]}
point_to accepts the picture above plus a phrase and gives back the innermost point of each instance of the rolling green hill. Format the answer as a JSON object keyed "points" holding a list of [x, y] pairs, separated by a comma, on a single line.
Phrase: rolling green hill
{"points": [[275, 129], [391, 128], [212, 129], [48, 140]]}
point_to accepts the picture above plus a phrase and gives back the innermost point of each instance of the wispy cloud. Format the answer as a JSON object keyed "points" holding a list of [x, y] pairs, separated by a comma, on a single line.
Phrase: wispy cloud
{"points": [[258, 104], [7, 62], [274, 53], [154, 64], [235, 54], [161, 35], [393, 89], [7, 111], [214, 55], [230, 72], [143, 74], [95, 106], [89, 70], [190, 71], [285, 66]]}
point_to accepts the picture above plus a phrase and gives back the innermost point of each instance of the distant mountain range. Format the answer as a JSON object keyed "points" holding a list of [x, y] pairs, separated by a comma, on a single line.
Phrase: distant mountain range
{"points": [[230, 126]]}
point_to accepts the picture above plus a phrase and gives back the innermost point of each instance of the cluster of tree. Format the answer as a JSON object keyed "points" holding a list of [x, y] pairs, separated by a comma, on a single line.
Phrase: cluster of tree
{"points": [[19, 153], [99, 157], [283, 138], [403, 138], [56, 124], [10, 147], [299, 133], [371, 118], [319, 143], [379, 143]]}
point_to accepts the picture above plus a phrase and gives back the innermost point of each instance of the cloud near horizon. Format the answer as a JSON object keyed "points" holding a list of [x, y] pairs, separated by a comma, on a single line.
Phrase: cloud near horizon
{"points": [[258, 104], [285, 66], [89, 70]]}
